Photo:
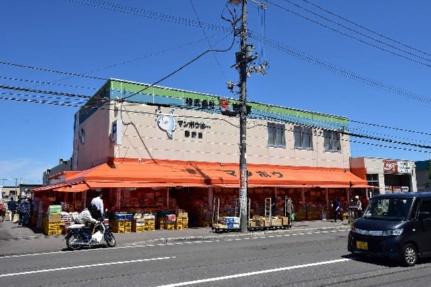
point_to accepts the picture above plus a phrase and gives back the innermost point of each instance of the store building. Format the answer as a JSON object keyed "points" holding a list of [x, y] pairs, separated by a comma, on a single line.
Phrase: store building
{"points": [[386, 175], [423, 175], [163, 148]]}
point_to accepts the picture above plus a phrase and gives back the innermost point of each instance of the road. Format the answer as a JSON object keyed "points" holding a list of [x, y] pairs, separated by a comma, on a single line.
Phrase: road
{"points": [[314, 258]]}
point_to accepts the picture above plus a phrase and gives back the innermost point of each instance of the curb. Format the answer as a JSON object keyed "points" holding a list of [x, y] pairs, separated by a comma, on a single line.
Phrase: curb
{"points": [[231, 235]]}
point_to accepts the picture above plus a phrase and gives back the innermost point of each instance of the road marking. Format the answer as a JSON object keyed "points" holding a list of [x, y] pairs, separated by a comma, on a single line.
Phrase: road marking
{"points": [[254, 273], [138, 245], [84, 266]]}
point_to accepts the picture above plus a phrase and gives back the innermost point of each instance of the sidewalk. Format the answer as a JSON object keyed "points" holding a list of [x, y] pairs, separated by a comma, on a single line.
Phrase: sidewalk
{"points": [[20, 240]]}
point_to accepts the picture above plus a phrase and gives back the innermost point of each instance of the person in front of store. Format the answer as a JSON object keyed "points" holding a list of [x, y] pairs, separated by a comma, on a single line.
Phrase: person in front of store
{"points": [[97, 207], [336, 208], [290, 210], [24, 212], [12, 206], [2, 211], [358, 205]]}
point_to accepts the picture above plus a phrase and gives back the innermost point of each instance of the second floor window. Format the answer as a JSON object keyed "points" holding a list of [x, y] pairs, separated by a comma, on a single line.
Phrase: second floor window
{"points": [[276, 135], [303, 137], [332, 141]]}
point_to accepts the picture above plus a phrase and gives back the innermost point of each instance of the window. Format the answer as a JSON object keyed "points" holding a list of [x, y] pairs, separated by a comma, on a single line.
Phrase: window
{"points": [[331, 141], [373, 179], [303, 137], [276, 137]]}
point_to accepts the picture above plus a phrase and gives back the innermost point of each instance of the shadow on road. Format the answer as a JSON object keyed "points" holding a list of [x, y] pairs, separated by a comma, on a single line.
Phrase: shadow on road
{"points": [[381, 261]]}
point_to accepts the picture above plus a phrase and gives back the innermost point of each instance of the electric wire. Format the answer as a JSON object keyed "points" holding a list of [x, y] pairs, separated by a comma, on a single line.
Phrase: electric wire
{"points": [[356, 31], [207, 38], [14, 88], [366, 28], [349, 35], [43, 69], [45, 83], [275, 44], [394, 143]]}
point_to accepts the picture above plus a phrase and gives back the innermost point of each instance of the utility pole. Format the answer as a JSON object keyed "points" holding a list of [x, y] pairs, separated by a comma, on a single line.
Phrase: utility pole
{"points": [[242, 57]]}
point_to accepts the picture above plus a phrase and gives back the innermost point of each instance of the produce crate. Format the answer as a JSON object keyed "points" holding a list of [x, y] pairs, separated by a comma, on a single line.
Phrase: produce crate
{"points": [[276, 222], [182, 223], [127, 226], [118, 226], [167, 226], [139, 228], [285, 220]]}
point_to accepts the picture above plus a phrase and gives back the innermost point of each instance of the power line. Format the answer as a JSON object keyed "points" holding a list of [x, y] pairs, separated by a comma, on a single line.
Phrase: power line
{"points": [[391, 127], [43, 69], [423, 148], [206, 36], [349, 35], [343, 71], [45, 82], [182, 67], [14, 88], [358, 32], [107, 5], [366, 29], [270, 42]]}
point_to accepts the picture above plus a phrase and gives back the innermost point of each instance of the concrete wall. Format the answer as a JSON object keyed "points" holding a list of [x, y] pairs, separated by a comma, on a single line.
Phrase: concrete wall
{"points": [[142, 138], [97, 146]]}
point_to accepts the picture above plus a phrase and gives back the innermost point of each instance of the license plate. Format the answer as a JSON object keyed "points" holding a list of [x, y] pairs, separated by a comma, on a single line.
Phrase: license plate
{"points": [[362, 245]]}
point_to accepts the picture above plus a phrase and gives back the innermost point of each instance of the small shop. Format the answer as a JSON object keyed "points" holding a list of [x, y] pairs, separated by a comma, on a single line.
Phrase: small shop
{"points": [[198, 189], [386, 175]]}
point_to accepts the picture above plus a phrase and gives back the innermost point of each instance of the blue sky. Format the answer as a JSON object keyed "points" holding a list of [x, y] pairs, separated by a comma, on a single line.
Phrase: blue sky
{"points": [[70, 36]]}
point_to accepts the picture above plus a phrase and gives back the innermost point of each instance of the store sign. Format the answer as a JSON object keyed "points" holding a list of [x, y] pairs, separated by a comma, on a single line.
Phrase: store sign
{"points": [[405, 167], [390, 166], [167, 123], [397, 167]]}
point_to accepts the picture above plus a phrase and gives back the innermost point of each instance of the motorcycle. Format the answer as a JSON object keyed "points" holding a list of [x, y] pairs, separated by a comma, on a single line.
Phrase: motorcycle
{"points": [[79, 236]]}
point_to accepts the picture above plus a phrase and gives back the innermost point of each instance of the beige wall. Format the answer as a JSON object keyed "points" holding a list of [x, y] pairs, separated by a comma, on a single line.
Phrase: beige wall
{"points": [[97, 146], [219, 143]]}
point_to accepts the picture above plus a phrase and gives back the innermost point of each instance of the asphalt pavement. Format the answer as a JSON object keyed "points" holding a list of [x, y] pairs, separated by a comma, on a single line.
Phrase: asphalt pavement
{"points": [[304, 256]]}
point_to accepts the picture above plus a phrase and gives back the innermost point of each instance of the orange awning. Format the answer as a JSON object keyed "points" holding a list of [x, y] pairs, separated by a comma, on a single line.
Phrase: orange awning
{"points": [[132, 173], [79, 187]]}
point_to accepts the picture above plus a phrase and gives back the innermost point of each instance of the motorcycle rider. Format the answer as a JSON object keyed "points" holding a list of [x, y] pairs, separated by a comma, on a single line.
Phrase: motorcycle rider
{"points": [[84, 217]]}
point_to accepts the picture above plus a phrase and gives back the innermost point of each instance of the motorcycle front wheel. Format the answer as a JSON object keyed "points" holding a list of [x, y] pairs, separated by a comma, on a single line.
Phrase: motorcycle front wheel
{"points": [[71, 242], [110, 239]]}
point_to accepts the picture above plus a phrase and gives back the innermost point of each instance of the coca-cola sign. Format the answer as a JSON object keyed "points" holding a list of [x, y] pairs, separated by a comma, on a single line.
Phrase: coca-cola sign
{"points": [[390, 166]]}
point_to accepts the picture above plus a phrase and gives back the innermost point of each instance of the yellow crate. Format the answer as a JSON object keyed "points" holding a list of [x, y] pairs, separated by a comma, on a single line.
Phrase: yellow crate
{"points": [[167, 226], [138, 228], [118, 226]]}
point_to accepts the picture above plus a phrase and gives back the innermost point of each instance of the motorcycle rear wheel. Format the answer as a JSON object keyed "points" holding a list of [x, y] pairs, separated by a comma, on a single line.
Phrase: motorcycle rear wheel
{"points": [[70, 243]]}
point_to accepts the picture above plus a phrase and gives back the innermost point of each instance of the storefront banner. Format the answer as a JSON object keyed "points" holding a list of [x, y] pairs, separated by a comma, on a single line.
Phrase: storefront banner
{"points": [[390, 166], [405, 167]]}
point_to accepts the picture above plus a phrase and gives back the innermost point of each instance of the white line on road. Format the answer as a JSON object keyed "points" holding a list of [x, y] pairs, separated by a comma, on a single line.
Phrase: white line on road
{"points": [[84, 266], [138, 245], [260, 272]]}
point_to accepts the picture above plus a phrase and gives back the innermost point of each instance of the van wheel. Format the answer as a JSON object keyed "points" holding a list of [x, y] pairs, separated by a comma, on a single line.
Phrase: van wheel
{"points": [[409, 255]]}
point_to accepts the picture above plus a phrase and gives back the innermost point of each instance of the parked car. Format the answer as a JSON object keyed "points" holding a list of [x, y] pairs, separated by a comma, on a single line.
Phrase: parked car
{"points": [[395, 226]]}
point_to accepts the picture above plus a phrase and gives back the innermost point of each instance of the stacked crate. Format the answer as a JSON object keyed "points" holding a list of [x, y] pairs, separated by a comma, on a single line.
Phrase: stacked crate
{"points": [[122, 223], [143, 222], [51, 223], [182, 220], [168, 222]]}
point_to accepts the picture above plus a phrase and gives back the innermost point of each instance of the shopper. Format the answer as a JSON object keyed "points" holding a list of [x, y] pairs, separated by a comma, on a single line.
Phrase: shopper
{"points": [[2, 211], [290, 210], [358, 205], [24, 212], [336, 208], [12, 205], [97, 207]]}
